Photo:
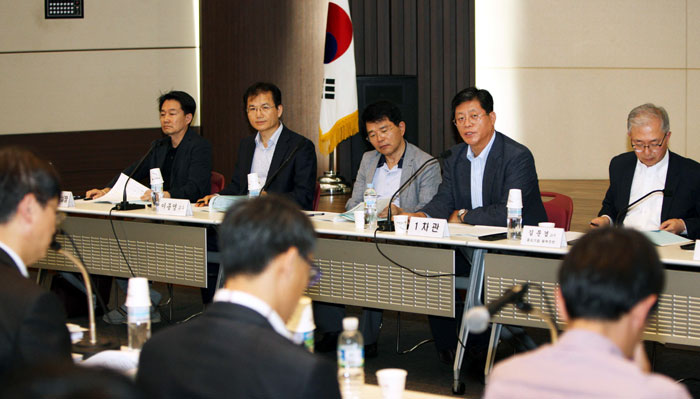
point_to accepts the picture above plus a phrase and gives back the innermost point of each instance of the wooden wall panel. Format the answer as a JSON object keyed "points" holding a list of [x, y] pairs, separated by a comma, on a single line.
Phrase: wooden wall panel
{"points": [[87, 160]]}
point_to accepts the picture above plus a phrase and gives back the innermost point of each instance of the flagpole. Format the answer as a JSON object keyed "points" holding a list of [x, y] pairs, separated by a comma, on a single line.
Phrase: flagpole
{"points": [[332, 183]]}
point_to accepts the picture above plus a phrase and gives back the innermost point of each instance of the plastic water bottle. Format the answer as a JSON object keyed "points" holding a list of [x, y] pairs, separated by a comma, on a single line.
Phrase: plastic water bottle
{"points": [[156, 194], [139, 325], [371, 206], [515, 214], [515, 223], [351, 360]]}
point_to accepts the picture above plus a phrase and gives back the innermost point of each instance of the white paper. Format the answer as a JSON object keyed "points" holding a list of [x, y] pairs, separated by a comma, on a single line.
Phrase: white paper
{"points": [[66, 200], [174, 207], [428, 227], [134, 191]]}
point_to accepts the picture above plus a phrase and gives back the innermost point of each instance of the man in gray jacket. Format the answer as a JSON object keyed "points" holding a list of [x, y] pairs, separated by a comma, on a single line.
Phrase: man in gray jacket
{"points": [[388, 166]]}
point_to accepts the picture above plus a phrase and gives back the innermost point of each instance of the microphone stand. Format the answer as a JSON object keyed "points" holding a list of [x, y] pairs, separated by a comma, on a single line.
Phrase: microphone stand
{"points": [[125, 205], [388, 225], [621, 215], [286, 161], [92, 345], [529, 309]]}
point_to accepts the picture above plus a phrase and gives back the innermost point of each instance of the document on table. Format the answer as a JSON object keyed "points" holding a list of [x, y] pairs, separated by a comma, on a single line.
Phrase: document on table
{"points": [[134, 191], [663, 238]]}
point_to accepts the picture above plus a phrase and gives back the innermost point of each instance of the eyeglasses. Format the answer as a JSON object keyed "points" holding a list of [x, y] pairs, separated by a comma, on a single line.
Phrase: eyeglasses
{"points": [[376, 133], [652, 146], [265, 108], [314, 272], [462, 120]]}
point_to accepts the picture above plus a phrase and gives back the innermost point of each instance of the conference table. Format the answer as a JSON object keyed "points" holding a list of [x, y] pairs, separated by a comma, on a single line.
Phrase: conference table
{"points": [[173, 249]]}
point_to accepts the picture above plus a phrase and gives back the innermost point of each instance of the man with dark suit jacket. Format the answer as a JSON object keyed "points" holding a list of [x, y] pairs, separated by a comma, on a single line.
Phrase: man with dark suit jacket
{"points": [[284, 160], [183, 156], [476, 179], [651, 166], [32, 320], [240, 347]]}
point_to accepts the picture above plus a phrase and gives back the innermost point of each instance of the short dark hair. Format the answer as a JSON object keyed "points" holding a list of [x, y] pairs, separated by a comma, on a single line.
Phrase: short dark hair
{"points": [[471, 93], [609, 271], [263, 87], [187, 103], [255, 231], [381, 110], [22, 173]]}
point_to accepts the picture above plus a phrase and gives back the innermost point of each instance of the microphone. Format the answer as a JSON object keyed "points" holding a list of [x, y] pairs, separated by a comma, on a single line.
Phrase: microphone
{"points": [[125, 205], [284, 163], [388, 225], [478, 317], [91, 345], [621, 215]]}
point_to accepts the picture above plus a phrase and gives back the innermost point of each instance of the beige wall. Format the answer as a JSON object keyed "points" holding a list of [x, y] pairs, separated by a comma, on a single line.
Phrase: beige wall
{"points": [[565, 73], [98, 73]]}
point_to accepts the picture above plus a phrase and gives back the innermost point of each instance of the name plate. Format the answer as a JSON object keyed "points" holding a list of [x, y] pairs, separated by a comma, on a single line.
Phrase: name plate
{"points": [[428, 227], [174, 207], [66, 200], [696, 253], [548, 237]]}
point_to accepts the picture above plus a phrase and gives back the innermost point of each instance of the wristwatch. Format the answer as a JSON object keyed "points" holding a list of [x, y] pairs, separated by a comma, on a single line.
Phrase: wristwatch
{"points": [[461, 214]]}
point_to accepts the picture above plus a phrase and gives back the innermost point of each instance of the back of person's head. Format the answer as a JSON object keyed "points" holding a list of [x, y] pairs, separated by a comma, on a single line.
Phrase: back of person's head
{"points": [[381, 110], [187, 103], [255, 231], [22, 173], [68, 382], [263, 87], [607, 272], [473, 93], [644, 113]]}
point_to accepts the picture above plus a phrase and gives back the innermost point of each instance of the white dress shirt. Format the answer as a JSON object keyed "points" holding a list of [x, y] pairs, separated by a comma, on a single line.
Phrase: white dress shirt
{"points": [[254, 303], [18, 261], [262, 158], [386, 181], [646, 215], [478, 165]]}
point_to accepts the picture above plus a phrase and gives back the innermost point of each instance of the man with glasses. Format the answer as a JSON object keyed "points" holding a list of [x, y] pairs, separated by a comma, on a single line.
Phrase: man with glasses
{"points": [[651, 166], [388, 166], [284, 160], [240, 347], [32, 320], [475, 184]]}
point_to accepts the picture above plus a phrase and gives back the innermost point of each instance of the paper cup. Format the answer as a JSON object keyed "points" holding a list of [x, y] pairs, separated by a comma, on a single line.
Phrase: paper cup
{"points": [[392, 382], [401, 224], [515, 198], [138, 294], [359, 220], [546, 224]]}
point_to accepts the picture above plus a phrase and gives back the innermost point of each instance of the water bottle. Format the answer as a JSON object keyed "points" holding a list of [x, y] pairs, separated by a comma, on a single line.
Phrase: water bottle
{"points": [[138, 313], [515, 214], [371, 206], [139, 325], [515, 223], [351, 360], [156, 194]]}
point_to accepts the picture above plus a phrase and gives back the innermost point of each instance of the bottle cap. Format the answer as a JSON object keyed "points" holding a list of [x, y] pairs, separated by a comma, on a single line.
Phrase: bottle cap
{"points": [[302, 319], [350, 323], [515, 198]]}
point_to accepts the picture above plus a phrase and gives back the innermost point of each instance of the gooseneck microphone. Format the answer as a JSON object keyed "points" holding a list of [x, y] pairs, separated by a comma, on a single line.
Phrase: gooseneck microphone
{"points": [[478, 317], [388, 225], [284, 163], [621, 215], [125, 205]]}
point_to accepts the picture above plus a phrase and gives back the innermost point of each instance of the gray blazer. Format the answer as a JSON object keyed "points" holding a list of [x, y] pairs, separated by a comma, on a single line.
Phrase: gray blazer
{"points": [[415, 195]]}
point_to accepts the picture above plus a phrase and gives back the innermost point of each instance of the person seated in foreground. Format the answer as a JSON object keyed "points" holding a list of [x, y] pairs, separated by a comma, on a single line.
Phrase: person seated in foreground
{"points": [[240, 347], [609, 283], [32, 320], [652, 166]]}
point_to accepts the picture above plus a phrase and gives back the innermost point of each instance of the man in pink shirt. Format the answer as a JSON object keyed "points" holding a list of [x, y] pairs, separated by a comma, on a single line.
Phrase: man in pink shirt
{"points": [[608, 284]]}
